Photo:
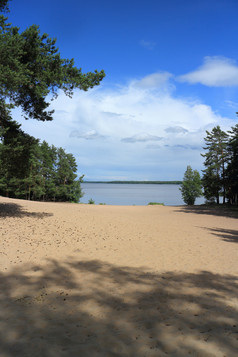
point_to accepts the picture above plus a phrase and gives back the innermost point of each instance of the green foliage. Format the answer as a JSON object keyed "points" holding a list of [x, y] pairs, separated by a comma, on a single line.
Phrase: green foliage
{"points": [[4, 5], [155, 204], [31, 72], [31, 68], [214, 180], [220, 176], [191, 186], [232, 166], [15, 155], [91, 201], [33, 170], [211, 185]]}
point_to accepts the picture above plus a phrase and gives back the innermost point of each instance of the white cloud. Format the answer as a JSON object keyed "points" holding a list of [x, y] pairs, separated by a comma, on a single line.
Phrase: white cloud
{"points": [[153, 81], [89, 135], [185, 147], [215, 72], [143, 137], [153, 146], [166, 131], [176, 130], [110, 114], [232, 104]]}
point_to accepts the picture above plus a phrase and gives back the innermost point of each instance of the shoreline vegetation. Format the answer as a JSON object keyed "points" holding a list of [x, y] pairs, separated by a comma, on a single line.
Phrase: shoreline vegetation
{"points": [[139, 182], [225, 210]]}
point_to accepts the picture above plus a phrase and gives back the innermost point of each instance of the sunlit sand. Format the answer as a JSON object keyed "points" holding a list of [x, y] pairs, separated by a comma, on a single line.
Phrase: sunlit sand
{"points": [[87, 280]]}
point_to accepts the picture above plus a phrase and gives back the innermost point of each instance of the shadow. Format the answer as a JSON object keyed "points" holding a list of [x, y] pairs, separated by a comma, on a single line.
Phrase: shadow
{"points": [[15, 210], [225, 211], [228, 235], [92, 308]]}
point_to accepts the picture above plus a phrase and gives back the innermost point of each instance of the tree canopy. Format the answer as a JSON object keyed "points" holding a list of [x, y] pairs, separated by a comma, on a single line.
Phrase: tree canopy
{"points": [[191, 186], [232, 166], [31, 68], [32, 72], [4, 5], [33, 170], [215, 161], [221, 165]]}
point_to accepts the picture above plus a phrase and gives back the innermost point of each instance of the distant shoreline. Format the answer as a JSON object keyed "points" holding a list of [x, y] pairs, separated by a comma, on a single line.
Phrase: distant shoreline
{"points": [[139, 182]]}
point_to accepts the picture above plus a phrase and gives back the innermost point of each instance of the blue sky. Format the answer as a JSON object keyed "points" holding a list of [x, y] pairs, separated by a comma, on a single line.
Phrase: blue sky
{"points": [[171, 74]]}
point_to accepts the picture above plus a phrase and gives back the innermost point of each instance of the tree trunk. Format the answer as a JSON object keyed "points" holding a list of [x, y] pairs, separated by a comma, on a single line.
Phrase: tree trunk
{"points": [[223, 179], [224, 192]]}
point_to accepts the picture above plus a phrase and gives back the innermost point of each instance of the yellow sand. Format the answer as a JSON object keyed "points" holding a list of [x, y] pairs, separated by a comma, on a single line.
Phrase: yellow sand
{"points": [[86, 280]]}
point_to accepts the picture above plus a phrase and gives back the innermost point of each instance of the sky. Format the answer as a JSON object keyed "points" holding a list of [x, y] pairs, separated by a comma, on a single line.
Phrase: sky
{"points": [[171, 74]]}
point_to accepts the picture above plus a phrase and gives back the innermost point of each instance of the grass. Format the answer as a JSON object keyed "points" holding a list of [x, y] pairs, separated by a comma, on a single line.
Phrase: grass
{"points": [[155, 204]]}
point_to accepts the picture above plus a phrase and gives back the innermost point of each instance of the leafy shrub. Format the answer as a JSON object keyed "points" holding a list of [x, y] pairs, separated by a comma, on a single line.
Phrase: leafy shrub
{"points": [[191, 186]]}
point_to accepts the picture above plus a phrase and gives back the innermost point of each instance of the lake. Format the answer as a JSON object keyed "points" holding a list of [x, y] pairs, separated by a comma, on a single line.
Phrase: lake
{"points": [[133, 194]]}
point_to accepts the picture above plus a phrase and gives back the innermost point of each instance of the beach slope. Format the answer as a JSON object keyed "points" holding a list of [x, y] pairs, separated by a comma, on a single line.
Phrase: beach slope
{"points": [[87, 280]]}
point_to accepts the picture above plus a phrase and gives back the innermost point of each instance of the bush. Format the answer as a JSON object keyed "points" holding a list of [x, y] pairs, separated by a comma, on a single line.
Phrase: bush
{"points": [[191, 186]]}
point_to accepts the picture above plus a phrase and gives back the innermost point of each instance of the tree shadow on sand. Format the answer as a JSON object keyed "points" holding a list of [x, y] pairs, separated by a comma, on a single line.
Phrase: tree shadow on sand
{"points": [[92, 308], [225, 211], [15, 210], [228, 235]]}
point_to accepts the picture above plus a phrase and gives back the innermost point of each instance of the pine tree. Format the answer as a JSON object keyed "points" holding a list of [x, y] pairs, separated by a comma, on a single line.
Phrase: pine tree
{"points": [[48, 158], [214, 179], [35, 171], [232, 168], [31, 69], [31, 72], [67, 188], [16, 149], [4, 5]]}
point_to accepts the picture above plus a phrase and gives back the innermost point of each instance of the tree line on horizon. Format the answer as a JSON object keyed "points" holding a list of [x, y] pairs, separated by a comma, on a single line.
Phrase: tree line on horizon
{"points": [[139, 182], [220, 176]]}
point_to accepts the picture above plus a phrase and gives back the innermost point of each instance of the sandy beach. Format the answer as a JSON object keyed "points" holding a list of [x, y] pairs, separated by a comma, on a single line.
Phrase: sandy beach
{"points": [[87, 280]]}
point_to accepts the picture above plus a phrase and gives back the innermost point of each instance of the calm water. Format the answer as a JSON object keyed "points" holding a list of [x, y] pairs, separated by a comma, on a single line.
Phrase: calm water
{"points": [[133, 194]]}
